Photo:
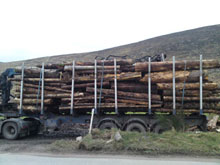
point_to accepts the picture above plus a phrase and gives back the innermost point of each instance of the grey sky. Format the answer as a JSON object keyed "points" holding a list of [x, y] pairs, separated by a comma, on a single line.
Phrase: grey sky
{"points": [[36, 28]]}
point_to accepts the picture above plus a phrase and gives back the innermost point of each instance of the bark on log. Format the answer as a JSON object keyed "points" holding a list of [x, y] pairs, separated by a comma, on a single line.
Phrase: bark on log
{"points": [[180, 86], [106, 62], [193, 105], [32, 108], [126, 94], [53, 95], [86, 98], [84, 85], [103, 106], [134, 87], [33, 101], [179, 65], [99, 71], [53, 66], [124, 76], [46, 88], [55, 80], [187, 99], [162, 110], [31, 91], [107, 96], [31, 72], [187, 92], [180, 76], [134, 102], [77, 67]]}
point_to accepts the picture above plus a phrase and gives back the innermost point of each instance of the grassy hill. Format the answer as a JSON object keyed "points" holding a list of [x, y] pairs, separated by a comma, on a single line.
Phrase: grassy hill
{"points": [[184, 45]]}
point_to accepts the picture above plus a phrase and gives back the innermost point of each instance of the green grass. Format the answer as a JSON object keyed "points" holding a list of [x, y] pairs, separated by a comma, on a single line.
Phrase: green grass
{"points": [[171, 142]]}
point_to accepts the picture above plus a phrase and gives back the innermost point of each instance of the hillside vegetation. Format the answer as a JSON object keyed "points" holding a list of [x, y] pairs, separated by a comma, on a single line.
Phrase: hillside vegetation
{"points": [[184, 45]]}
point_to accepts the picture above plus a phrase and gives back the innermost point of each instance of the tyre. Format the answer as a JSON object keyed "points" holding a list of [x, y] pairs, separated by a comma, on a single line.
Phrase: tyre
{"points": [[159, 129], [108, 125], [10, 131], [136, 127]]}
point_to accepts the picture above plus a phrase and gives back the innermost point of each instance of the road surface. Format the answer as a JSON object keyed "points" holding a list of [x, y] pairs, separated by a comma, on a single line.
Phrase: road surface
{"points": [[16, 159]]}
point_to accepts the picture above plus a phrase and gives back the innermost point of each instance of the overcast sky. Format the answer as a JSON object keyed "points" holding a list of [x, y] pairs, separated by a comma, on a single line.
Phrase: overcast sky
{"points": [[36, 28]]}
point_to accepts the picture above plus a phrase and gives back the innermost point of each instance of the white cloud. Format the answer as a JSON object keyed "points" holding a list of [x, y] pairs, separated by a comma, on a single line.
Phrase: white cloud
{"points": [[32, 28]]}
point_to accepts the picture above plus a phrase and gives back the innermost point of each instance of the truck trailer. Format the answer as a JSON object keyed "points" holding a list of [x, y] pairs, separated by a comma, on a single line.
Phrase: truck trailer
{"points": [[123, 93]]}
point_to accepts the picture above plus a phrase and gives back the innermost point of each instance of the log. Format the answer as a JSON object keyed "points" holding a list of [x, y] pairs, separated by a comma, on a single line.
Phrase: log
{"points": [[46, 88], [124, 76], [53, 95], [179, 65], [59, 67], [127, 68], [84, 85], [86, 98], [104, 105], [51, 80], [134, 87], [32, 108], [185, 110], [33, 101], [180, 86], [133, 99], [180, 76], [187, 99], [134, 102], [31, 91], [193, 105], [77, 67], [106, 62], [31, 72], [126, 94], [187, 92], [53, 84], [99, 71]]}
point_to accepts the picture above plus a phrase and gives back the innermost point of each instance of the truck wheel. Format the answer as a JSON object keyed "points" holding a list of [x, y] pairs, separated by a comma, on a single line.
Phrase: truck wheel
{"points": [[159, 129], [136, 127], [10, 131], [108, 125]]}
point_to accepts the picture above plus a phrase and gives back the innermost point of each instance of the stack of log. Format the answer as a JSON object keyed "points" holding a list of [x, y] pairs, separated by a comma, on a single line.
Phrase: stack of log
{"points": [[187, 86], [132, 87]]}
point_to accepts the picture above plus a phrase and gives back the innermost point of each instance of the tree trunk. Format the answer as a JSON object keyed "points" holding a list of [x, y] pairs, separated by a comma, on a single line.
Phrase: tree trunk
{"points": [[167, 77], [35, 72], [187, 99], [84, 85], [180, 86], [126, 94], [53, 95], [188, 93], [179, 65], [51, 80], [193, 105], [33, 101], [134, 87], [69, 67]]}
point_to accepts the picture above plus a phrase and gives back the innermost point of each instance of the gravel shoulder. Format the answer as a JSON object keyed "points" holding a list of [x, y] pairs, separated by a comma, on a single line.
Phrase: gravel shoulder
{"points": [[32, 144]]}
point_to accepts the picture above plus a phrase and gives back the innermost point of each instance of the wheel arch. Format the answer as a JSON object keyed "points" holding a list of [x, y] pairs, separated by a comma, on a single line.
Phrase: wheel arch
{"points": [[7, 121], [109, 120], [17, 121], [135, 120]]}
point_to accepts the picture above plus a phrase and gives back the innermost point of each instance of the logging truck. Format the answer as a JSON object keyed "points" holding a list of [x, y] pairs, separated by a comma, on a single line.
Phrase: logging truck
{"points": [[118, 93]]}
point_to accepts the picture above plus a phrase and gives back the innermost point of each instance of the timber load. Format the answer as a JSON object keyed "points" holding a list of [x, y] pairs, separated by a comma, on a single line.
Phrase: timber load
{"points": [[116, 86]]}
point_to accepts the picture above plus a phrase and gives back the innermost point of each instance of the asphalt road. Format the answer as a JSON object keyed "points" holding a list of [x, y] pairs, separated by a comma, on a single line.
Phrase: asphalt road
{"points": [[16, 159]]}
